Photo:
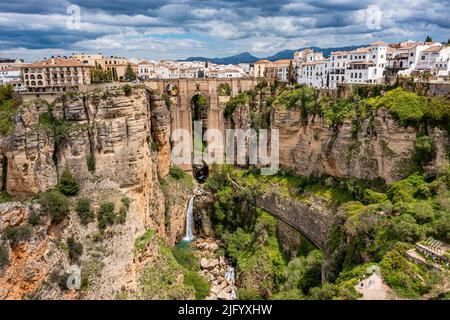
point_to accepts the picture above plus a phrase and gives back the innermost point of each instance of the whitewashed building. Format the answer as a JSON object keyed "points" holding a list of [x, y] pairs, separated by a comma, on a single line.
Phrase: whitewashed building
{"points": [[12, 76]]}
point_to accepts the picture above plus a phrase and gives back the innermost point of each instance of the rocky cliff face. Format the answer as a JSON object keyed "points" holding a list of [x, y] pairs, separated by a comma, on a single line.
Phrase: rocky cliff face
{"points": [[377, 147], [105, 140]]}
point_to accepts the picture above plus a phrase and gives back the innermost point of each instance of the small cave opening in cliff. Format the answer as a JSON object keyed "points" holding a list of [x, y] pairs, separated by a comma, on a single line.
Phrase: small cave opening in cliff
{"points": [[199, 109]]}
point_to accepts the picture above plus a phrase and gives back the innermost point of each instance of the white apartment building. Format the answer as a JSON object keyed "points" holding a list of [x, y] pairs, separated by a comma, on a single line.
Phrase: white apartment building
{"points": [[56, 75], [339, 61], [367, 65], [435, 61], [13, 76], [146, 70]]}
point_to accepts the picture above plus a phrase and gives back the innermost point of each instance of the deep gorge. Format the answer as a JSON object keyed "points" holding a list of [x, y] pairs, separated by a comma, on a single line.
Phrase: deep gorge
{"points": [[363, 178]]}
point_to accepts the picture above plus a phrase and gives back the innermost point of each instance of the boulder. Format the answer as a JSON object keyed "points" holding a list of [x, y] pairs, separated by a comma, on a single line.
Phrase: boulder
{"points": [[222, 295]]}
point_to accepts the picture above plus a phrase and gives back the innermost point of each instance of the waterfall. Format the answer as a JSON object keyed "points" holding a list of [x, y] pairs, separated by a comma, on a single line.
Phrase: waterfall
{"points": [[189, 221], [230, 277]]}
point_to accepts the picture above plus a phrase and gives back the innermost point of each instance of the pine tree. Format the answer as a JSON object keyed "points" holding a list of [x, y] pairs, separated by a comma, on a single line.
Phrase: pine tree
{"points": [[428, 39]]}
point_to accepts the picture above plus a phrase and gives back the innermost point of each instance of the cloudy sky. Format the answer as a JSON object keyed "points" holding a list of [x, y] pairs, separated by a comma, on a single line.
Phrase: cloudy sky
{"points": [[170, 29]]}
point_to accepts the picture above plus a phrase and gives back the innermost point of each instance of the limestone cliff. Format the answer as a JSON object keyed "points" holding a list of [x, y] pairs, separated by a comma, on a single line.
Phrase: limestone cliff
{"points": [[104, 138], [377, 146], [381, 147]]}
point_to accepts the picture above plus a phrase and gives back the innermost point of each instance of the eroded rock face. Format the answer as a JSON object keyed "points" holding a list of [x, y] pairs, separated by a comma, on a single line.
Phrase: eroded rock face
{"points": [[161, 133], [113, 131], [378, 148]]}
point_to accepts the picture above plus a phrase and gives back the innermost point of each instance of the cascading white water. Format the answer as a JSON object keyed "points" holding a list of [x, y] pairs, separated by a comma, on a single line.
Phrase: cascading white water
{"points": [[230, 277], [189, 221]]}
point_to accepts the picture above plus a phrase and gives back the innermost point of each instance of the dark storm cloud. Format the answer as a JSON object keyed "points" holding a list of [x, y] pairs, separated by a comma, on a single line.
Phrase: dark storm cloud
{"points": [[223, 26]]}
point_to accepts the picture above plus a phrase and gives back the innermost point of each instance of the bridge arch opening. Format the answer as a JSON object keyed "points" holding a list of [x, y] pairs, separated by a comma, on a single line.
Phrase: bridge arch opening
{"points": [[199, 110]]}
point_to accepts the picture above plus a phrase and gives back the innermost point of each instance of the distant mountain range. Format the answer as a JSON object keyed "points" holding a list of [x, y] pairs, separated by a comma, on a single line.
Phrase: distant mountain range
{"points": [[246, 57]]}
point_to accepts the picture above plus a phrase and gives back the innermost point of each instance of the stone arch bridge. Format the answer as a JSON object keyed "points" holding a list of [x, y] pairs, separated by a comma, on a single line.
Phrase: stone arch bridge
{"points": [[181, 91]]}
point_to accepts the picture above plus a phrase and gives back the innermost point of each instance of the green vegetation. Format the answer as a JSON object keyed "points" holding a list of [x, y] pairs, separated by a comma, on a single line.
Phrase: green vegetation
{"points": [[127, 90], [85, 211], [9, 102], [198, 282], [126, 202], [59, 128], [90, 162], [18, 234], [106, 215], [98, 75], [5, 197], [55, 204], [374, 224], [4, 256], [240, 99], [75, 249], [224, 89], [159, 279], [177, 173], [186, 258], [141, 242], [425, 149], [166, 98], [122, 215], [67, 184], [129, 75]]}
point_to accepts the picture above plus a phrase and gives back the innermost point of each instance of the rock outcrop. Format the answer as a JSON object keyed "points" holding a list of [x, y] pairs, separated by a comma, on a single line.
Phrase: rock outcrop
{"points": [[105, 140], [380, 147]]}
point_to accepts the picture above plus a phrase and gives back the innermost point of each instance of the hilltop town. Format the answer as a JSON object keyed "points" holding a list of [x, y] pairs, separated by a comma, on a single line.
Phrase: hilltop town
{"points": [[375, 64]]}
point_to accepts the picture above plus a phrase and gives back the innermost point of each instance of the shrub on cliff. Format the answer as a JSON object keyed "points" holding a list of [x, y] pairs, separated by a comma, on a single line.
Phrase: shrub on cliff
{"points": [[127, 90], [425, 149], [68, 184], [198, 282], [186, 258], [19, 234], [233, 103], [84, 210], [75, 249], [9, 101], [176, 172], [4, 255], [55, 204], [106, 215], [90, 162]]}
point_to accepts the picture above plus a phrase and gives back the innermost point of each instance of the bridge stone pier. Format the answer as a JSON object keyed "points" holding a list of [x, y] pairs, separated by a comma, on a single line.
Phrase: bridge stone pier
{"points": [[181, 91]]}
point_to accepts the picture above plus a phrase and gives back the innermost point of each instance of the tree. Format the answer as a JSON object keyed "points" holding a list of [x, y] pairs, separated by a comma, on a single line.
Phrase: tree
{"points": [[67, 184], [98, 75], [75, 249], [127, 90], [292, 77], [428, 39], [129, 73], [106, 215], [55, 204], [84, 210]]}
